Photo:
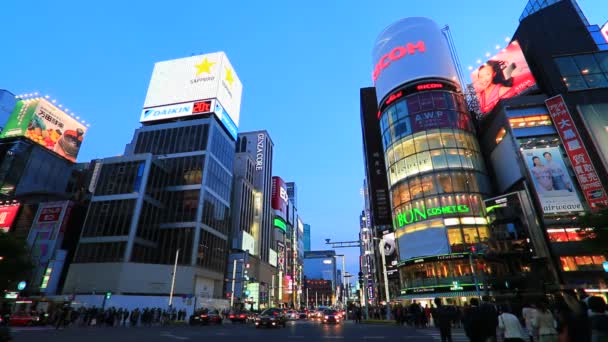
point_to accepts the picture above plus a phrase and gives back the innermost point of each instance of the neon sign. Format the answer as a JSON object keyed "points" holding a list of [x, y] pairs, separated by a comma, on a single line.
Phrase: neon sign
{"points": [[428, 86], [280, 224], [396, 54], [416, 215], [393, 97]]}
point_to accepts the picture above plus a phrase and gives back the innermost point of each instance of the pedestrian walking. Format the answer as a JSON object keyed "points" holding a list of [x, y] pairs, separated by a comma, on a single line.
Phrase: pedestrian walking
{"points": [[442, 317], [529, 314], [480, 322], [545, 324], [511, 328]]}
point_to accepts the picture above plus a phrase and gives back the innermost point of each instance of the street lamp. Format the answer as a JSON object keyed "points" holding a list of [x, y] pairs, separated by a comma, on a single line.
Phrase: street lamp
{"points": [[388, 299]]}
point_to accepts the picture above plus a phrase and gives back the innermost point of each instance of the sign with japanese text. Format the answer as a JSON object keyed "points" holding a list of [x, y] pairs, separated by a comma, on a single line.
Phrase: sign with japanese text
{"points": [[49, 126], [579, 157], [8, 213]]}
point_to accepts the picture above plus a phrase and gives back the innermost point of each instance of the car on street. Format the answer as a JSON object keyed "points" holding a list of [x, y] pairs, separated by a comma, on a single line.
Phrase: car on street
{"points": [[238, 316], [272, 317], [23, 319], [331, 316], [205, 316], [302, 315], [292, 315]]}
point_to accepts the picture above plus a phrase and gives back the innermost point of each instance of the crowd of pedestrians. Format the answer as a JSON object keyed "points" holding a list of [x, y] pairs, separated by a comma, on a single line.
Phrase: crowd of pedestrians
{"points": [[564, 319], [113, 317]]}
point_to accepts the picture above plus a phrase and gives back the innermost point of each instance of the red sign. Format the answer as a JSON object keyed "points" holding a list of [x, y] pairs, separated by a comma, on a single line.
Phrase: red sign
{"points": [[279, 196], [396, 54], [605, 31], [50, 214], [428, 86], [201, 107], [393, 97], [579, 157], [7, 216]]}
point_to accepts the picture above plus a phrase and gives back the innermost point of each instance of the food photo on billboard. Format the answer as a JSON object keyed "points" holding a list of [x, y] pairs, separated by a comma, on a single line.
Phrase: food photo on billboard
{"points": [[552, 182], [43, 123], [503, 76]]}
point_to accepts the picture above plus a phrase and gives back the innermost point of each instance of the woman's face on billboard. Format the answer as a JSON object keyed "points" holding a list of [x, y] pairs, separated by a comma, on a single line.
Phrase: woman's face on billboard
{"points": [[485, 76]]}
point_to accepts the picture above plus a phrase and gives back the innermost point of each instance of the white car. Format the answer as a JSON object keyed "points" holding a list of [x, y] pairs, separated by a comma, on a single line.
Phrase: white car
{"points": [[292, 315]]}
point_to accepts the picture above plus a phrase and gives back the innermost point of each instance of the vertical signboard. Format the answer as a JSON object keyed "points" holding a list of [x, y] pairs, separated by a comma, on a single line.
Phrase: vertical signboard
{"points": [[594, 192], [279, 196], [8, 213], [552, 182], [605, 31], [281, 257]]}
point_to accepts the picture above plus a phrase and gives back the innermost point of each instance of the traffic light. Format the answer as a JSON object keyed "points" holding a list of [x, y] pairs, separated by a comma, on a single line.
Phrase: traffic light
{"points": [[108, 294], [361, 279]]}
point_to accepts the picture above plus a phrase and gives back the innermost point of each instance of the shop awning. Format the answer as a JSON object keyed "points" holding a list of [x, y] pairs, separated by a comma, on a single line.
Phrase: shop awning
{"points": [[439, 295]]}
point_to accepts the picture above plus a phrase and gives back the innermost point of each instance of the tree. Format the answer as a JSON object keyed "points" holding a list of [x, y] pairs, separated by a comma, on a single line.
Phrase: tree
{"points": [[598, 237], [15, 263]]}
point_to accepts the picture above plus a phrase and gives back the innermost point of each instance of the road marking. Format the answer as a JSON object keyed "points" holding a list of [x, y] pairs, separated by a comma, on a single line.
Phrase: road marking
{"points": [[168, 334]]}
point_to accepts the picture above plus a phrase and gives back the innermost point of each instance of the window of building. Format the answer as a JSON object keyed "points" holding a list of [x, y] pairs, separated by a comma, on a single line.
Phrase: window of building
{"points": [[570, 234], [584, 71], [500, 135], [582, 263]]}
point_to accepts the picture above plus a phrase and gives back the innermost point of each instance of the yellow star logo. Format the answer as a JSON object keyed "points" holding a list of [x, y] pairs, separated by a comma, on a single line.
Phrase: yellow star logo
{"points": [[205, 66], [229, 77]]}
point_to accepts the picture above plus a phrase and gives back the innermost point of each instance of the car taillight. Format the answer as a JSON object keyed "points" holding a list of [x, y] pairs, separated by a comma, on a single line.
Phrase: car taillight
{"points": [[275, 313], [242, 316], [231, 316], [204, 316]]}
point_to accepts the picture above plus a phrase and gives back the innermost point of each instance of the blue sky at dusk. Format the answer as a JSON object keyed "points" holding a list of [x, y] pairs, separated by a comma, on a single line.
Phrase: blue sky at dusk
{"points": [[301, 64]]}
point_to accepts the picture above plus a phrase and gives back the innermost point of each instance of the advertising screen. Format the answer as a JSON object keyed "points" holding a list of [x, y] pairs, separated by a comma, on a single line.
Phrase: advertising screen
{"points": [[279, 196], [503, 76], [8, 213], [43, 123], [410, 49], [605, 31], [272, 257], [248, 243], [193, 79], [552, 182], [430, 241]]}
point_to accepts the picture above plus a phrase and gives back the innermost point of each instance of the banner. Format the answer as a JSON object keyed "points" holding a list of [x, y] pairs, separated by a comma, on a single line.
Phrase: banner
{"points": [[579, 157], [503, 76], [43, 123], [552, 182], [8, 213]]}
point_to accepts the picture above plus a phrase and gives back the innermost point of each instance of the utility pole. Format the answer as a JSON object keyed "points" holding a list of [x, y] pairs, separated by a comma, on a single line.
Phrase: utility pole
{"points": [[173, 279]]}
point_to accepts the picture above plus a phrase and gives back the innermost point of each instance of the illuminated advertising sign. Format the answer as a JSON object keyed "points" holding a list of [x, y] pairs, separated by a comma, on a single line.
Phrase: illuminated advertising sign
{"points": [[279, 196], [605, 31], [594, 192], [281, 257], [552, 182], [46, 233], [279, 223], [259, 156], [410, 49], [416, 215], [177, 110], [196, 78], [8, 213], [43, 123], [248, 243], [272, 257], [503, 76]]}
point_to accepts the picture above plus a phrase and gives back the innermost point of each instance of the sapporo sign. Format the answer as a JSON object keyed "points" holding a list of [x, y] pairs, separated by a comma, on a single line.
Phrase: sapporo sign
{"points": [[416, 214]]}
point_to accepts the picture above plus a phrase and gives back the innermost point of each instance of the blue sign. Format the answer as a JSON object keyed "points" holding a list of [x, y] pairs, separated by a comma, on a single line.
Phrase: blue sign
{"points": [[21, 285], [605, 264]]}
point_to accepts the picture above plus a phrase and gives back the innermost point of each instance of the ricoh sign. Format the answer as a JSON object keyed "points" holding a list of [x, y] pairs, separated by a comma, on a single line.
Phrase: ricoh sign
{"points": [[408, 50]]}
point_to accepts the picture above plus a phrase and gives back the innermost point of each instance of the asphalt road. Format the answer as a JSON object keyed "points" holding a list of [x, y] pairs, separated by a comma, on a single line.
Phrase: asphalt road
{"points": [[295, 331]]}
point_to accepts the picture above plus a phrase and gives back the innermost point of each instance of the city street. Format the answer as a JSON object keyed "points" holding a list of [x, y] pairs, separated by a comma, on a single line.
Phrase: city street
{"points": [[295, 331]]}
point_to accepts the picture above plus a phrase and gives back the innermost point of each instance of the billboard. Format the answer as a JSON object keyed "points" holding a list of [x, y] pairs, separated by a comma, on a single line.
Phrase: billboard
{"points": [[605, 31], [410, 49], [8, 213], [279, 196], [43, 123], [585, 172], [503, 76], [552, 182], [272, 257], [196, 78], [248, 243]]}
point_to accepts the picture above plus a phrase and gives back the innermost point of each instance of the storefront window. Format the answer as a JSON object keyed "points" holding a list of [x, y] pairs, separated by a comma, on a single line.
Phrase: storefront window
{"points": [[420, 142], [454, 236], [470, 235], [434, 139], [582, 263]]}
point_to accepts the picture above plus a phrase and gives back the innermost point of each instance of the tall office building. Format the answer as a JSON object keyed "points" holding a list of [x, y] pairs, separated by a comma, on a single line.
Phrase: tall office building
{"points": [[306, 237], [168, 197]]}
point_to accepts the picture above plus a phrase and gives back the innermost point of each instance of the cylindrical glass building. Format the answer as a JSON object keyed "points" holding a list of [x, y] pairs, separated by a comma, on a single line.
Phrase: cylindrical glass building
{"points": [[435, 170]]}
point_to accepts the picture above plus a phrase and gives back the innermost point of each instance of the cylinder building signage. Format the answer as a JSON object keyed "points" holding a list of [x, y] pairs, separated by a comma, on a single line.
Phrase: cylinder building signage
{"points": [[410, 49], [415, 214]]}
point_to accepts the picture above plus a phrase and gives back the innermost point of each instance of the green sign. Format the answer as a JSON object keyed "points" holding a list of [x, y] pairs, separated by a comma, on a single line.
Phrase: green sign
{"points": [[415, 214], [279, 223], [19, 120]]}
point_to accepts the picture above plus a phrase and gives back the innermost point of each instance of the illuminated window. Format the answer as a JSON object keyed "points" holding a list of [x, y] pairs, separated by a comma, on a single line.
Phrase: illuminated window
{"points": [[570, 234], [501, 134], [529, 121], [582, 263]]}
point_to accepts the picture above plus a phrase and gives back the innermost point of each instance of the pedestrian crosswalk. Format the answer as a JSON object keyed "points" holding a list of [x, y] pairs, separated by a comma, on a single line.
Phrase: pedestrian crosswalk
{"points": [[457, 335]]}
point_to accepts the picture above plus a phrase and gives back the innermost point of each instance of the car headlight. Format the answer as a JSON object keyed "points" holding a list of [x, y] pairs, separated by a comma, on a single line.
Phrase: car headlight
{"points": [[326, 317], [36, 318]]}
